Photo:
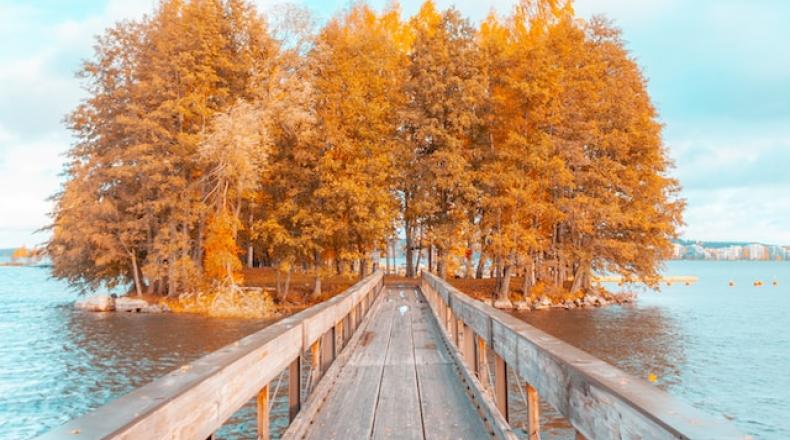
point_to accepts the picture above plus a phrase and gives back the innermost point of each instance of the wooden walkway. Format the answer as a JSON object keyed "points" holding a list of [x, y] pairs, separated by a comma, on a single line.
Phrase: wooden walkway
{"points": [[399, 382], [398, 361]]}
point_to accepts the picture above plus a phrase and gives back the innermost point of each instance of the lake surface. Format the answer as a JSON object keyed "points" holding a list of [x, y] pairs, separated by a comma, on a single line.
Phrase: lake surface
{"points": [[724, 350], [57, 363]]}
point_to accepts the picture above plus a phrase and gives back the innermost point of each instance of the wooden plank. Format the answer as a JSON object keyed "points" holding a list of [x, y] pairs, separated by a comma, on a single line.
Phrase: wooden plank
{"points": [[301, 425], [446, 409], [485, 407], [263, 413], [398, 414], [353, 397]]}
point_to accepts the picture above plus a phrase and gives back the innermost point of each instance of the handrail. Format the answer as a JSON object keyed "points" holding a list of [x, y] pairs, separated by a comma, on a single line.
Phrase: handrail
{"points": [[196, 399], [599, 400]]}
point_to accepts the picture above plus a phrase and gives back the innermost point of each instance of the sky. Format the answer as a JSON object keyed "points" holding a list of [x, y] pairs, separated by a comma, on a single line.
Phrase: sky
{"points": [[718, 72]]}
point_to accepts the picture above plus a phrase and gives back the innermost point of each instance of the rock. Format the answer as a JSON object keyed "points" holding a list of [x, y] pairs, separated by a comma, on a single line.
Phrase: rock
{"points": [[126, 304], [489, 301], [567, 305], [542, 304], [155, 308], [98, 303], [523, 305], [503, 304]]}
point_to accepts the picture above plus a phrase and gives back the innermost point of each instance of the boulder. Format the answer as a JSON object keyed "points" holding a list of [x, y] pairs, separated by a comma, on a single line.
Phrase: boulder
{"points": [[503, 304], [98, 303], [126, 304], [155, 308]]}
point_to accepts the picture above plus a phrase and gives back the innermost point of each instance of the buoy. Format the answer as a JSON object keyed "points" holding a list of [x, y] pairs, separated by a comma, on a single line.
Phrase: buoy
{"points": [[758, 283], [731, 283]]}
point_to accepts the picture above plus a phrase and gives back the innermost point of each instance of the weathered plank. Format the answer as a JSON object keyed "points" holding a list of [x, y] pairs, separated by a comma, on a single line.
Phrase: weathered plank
{"points": [[398, 414], [446, 409], [359, 384]]}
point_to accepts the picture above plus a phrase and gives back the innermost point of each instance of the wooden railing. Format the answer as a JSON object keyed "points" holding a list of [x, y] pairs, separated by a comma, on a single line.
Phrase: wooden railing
{"points": [[598, 400], [194, 401]]}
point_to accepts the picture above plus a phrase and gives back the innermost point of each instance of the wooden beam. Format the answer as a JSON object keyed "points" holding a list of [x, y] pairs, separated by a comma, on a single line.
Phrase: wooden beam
{"points": [[500, 385], [263, 413], [533, 413], [294, 388]]}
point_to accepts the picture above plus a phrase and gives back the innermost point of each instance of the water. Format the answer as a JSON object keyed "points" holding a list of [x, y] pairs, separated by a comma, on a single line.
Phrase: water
{"points": [[57, 363], [724, 350]]}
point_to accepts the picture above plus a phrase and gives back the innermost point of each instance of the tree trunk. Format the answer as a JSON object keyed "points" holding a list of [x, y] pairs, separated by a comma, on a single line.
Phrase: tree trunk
{"points": [[287, 284], [581, 277], [363, 267], [441, 265], [409, 249], [529, 277], [468, 269], [317, 286], [430, 257], [481, 265], [504, 287], [137, 287]]}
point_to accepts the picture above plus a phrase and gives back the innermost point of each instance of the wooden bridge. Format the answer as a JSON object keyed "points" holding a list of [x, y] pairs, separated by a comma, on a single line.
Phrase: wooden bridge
{"points": [[411, 361]]}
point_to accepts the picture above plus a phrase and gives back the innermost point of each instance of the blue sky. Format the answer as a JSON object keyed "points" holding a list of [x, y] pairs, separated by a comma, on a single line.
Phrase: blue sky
{"points": [[718, 72]]}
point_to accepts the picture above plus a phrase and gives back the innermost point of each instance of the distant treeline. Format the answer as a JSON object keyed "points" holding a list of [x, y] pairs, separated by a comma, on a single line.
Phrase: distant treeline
{"points": [[213, 137]]}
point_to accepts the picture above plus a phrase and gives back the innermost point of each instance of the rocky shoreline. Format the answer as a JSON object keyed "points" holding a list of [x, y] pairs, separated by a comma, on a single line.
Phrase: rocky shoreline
{"points": [[114, 303], [545, 303]]}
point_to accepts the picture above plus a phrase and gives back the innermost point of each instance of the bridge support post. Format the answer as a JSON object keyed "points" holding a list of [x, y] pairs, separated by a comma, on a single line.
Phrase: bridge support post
{"points": [[294, 388], [500, 385], [263, 413], [533, 413]]}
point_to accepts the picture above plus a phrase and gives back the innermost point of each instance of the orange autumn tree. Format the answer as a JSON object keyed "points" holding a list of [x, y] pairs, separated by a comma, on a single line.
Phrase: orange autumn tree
{"points": [[529, 140]]}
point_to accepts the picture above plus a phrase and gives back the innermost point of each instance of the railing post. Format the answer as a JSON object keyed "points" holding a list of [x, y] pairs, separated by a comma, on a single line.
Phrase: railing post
{"points": [[453, 330], [315, 362], [533, 413], [340, 336], [482, 363], [263, 413], [327, 349], [469, 347], [458, 326], [294, 388], [500, 385]]}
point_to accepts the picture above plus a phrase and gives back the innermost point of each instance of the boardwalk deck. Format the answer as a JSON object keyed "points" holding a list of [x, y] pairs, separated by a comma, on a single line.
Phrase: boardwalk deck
{"points": [[398, 361], [399, 382]]}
